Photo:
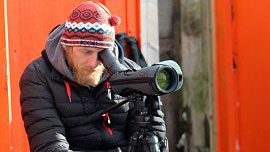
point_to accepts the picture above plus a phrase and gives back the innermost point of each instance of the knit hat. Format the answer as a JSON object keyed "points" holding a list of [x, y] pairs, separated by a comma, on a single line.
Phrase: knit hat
{"points": [[90, 24]]}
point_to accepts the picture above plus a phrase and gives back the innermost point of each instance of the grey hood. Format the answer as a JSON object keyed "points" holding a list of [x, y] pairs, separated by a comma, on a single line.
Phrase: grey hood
{"points": [[56, 55], [55, 52]]}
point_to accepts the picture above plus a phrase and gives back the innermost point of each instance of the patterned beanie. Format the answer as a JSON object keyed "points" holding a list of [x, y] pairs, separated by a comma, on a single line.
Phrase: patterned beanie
{"points": [[90, 24]]}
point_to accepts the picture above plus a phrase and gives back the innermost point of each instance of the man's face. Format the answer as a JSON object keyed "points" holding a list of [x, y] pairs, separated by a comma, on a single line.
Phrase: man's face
{"points": [[84, 62]]}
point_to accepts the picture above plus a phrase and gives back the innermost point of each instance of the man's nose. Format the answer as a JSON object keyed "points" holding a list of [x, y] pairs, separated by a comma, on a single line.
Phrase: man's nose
{"points": [[93, 61]]}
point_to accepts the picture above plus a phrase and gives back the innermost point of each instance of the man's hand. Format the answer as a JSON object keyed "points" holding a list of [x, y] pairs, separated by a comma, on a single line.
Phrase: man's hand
{"points": [[157, 124], [152, 122]]}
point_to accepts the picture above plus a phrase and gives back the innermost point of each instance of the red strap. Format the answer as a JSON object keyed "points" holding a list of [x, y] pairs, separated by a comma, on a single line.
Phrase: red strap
{"points": [[68, 90]]}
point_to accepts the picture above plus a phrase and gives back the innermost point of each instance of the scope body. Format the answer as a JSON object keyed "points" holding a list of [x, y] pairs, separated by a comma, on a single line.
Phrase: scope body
{"points": [[159, 79]]}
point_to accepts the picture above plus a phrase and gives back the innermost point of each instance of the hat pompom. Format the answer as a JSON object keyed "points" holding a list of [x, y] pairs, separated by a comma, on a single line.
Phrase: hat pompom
{"points": [[114, 20]]}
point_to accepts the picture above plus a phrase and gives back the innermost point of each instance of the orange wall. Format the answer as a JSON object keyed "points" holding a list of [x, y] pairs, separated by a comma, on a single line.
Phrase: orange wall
{"points": [[29, 23], [225, 78], [253, 47], [4, 118], [242, 85]]}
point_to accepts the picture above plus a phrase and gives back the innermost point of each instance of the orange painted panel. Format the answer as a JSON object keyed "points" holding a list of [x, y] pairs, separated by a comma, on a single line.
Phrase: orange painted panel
{"points": [[242, 30], [119, 9], [253, 48], [4, 108], [129, 12], [225, 78], [29, 24], [133, 16]]}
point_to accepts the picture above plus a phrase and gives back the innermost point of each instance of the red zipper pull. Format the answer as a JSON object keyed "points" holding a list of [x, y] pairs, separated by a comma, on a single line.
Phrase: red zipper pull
{"points": [[108, 87], [106, 120]]}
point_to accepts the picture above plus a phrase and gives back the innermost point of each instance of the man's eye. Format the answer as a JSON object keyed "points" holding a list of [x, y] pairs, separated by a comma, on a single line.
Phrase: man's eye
{"points": [[87, 52]]}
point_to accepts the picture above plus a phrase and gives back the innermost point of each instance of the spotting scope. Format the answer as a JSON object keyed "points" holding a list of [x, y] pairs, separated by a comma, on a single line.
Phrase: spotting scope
{"points": [[159, 79]]}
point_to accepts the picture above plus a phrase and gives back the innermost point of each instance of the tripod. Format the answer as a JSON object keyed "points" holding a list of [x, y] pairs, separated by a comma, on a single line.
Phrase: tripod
{"points": [[144, 140]]}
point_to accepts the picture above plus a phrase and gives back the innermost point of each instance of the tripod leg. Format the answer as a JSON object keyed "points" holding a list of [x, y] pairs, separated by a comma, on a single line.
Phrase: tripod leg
{"points": [[151, 142], [133, 142]]}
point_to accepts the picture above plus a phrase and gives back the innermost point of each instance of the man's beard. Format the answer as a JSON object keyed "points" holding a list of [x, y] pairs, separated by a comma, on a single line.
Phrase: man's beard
{"points": [[85, 75]]}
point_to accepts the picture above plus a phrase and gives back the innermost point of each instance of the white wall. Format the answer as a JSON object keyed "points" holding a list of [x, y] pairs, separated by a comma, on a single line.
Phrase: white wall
{"points": [[149, 30]]}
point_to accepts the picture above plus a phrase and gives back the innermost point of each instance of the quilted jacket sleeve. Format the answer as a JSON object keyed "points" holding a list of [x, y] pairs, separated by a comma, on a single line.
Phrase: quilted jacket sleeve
{"points": [[43, 126]]}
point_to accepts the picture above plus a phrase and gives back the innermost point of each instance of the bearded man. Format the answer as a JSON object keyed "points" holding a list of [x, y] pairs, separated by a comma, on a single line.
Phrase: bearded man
{"points": [[66, 85]]}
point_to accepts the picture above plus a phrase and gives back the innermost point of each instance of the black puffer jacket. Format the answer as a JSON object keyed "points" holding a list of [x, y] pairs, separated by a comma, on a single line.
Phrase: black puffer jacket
{"points": [[57, 112]]}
